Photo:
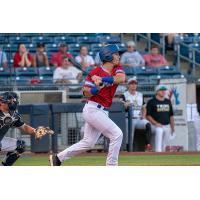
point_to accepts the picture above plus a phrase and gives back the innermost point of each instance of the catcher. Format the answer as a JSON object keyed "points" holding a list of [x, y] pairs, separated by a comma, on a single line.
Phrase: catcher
{"points": [[10, 118]]}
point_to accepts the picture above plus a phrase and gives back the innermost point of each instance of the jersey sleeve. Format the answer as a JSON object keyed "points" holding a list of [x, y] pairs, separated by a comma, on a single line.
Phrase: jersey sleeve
{"points": [[119, 69], [88, 80], [19, 122]]}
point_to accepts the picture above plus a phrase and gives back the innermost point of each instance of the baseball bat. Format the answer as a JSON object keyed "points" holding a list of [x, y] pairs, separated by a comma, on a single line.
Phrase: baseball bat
{"points": [[79, 66]]}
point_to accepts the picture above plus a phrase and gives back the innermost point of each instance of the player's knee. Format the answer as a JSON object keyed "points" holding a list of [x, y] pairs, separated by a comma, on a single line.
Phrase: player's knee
{"points": [[89, 143], [20, 146], [118, 134]]}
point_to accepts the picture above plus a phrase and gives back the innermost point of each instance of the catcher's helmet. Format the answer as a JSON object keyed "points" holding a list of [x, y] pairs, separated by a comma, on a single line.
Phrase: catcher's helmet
{"points": [[11, 99], [107, 51]]}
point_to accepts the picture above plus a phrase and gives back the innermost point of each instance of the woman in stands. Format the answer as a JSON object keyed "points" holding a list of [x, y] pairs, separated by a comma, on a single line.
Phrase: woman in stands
{"points": [[22, 57], [40, 59]]}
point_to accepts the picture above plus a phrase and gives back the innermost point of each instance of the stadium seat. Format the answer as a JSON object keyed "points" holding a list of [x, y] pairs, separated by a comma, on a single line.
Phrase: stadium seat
{"points": [[146, 71], [168, 70], [96, 47], [46, 71], [65, 39], [18, 40], [6, 72], [74, 47], [26, 71], [42, 39], [87, 40], [110, 39], [129, 70], [11, 48], [51, 47]]}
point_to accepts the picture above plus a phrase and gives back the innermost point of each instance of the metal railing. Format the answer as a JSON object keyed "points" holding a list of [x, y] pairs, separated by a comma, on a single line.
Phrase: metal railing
{"points": [[178, 42]]}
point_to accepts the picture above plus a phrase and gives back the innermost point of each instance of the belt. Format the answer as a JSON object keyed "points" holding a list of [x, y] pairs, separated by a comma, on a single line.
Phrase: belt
{"points": [[99, 106]]}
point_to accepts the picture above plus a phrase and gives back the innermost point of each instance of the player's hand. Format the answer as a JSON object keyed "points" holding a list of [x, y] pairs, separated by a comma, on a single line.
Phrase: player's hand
{"points": [[159, 125], [97, 80]]}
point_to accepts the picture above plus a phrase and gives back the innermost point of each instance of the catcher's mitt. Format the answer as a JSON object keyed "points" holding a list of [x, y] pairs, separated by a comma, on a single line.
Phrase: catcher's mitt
{"points": [[42, 131]]}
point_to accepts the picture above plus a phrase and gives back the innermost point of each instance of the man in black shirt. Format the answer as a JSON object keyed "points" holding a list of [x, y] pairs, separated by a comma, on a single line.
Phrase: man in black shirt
{"points": [[160, 114], [10, 118]]}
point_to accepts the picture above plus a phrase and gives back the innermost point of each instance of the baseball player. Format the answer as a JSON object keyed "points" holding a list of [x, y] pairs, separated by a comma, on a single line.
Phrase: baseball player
{"points": [[95, 111], [160, 114], [10, 118], [135, 99]]}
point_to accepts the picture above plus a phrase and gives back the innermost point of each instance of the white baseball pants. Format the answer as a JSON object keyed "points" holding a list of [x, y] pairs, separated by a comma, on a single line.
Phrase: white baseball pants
{"points": [[162, 135], [97, 122], [8, 144]]}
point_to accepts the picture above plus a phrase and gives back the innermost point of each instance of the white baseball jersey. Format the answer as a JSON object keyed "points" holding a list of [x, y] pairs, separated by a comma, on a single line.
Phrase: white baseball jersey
{"points": [[137, 102]]}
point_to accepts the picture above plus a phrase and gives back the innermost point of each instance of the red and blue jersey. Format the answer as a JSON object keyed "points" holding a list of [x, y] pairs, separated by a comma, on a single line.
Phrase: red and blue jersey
{"points": [[105, 94]]}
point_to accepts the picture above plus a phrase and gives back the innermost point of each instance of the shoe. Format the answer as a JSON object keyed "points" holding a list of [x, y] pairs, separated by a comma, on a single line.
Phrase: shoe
{"points": [[148, 148], [54, 160]]}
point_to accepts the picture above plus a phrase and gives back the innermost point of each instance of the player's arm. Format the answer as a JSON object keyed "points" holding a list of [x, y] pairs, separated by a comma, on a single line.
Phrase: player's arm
{"points": [[153, 121], [27, 129]]}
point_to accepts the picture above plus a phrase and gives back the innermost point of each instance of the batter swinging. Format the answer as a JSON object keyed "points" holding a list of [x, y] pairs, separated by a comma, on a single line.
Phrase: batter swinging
{"points": [[100, 87]]}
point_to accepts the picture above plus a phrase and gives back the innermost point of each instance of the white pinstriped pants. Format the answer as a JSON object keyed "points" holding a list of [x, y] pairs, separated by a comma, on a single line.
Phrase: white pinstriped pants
{"points": [[97, 123]]}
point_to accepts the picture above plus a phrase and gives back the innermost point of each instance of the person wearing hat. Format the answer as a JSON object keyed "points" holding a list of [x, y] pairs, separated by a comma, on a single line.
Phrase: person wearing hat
{"points": [[135, 99], [132, 57], [40, 59], [56, 59], [160, 114]]}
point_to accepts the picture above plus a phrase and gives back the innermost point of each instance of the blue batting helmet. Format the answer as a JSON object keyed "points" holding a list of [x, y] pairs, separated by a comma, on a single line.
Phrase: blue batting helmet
{"points": [[106, 52]]}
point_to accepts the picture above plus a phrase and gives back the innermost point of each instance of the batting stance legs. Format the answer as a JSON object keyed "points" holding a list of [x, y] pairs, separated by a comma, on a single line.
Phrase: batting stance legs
{"points": [[97, 122]]}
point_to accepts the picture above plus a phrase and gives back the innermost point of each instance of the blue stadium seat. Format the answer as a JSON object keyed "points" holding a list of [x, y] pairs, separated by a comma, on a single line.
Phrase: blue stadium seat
{"points": [[11, 48], [96, 47], [68, 40], [22, 81], [87, 40], [6, 72], [146, 71], [31, 47], [129, 70], [46, 71], [76, 34], [51, 47], [3, 81], [18, 40], [155, 37], [26, 71], [110, 39], [42, 39], [168, 70], [74, 47]]}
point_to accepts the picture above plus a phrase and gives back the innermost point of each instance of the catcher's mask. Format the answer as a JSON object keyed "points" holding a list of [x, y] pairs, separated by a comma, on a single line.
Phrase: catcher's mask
{"points": [[11, 99]]}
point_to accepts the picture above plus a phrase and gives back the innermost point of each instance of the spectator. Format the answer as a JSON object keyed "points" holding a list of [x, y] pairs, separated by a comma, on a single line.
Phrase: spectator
{"points": [[56, 59], [155, 59], [3, 59], [40, 59], [67, 73], [22, 57], [83, 58], [135, 99], [132, 57]]}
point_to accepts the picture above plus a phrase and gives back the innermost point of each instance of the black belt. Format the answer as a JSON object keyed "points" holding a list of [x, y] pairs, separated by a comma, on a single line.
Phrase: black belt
{"points": [[100, 106]]}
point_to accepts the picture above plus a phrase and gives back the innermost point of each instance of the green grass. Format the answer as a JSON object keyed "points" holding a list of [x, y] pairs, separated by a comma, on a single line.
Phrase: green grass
{"points": [[124, 160]]}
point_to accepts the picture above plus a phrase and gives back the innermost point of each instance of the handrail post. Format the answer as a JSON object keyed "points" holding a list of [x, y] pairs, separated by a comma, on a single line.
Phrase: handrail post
{"points": [[130, 129], [193, 62]]}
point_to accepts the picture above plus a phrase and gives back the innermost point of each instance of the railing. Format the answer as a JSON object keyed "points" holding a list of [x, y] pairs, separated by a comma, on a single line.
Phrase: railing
{"points": [[177, 43]]}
